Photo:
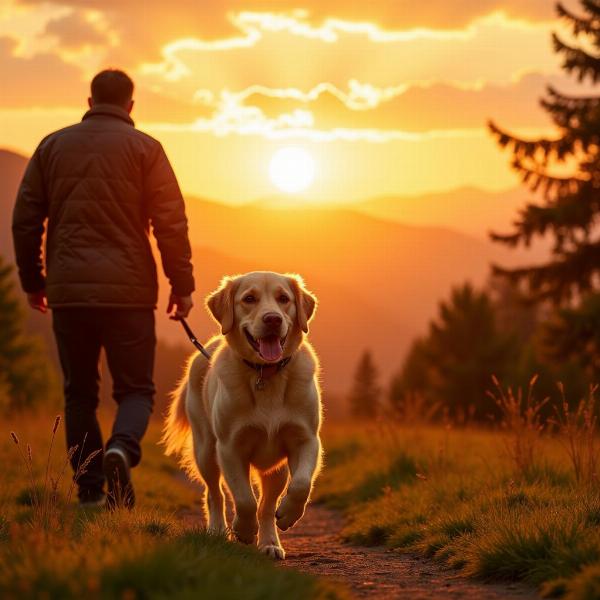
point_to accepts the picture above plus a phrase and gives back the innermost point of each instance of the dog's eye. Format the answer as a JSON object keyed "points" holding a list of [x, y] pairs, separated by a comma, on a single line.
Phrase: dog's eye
{"points": [[283, 299], [249, 299]]}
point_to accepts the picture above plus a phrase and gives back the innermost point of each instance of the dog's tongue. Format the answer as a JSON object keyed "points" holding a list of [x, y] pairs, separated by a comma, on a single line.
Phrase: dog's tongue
{"points": [[270, 348]]}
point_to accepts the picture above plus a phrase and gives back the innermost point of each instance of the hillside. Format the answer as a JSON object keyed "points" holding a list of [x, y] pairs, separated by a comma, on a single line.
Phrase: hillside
{"points": [[469, 210], [12, 167]]}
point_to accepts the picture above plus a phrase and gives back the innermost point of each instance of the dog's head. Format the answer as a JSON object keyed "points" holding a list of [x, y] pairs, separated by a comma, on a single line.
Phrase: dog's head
{"points": [[262, 314]]}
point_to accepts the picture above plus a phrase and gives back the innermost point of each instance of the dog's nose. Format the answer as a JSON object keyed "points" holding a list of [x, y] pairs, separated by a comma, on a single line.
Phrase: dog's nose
{"points": [[272, 318]]}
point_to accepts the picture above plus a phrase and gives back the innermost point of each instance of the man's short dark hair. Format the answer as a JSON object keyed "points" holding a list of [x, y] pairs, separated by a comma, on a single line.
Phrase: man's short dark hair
{"points": [[112, 87]]}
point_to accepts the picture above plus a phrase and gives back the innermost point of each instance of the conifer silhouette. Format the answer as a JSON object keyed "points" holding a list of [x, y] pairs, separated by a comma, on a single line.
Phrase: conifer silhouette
{"points": [[569, 205]]}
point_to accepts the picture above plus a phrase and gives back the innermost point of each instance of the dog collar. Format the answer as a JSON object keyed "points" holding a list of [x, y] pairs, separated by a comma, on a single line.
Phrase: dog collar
{"points": [[265, 371]]}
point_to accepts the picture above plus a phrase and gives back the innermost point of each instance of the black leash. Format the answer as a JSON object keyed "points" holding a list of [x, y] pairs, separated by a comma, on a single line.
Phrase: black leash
{"points": [[193, 338]]}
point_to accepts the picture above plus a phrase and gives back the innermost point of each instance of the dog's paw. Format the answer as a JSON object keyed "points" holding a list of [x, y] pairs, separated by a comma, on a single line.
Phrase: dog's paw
{"points": [[245, 530], [273, 551], [288, 513], [218, 529]]}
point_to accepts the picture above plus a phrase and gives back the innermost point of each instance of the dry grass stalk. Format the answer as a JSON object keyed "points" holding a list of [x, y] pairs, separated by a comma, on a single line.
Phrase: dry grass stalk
{"points": [[521, 420], [44, 498], [578, 429], [416, 410], [28, 462]]}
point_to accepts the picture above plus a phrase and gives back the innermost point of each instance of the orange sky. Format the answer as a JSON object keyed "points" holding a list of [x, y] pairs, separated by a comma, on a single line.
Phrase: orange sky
{"points": [[390, 96]]}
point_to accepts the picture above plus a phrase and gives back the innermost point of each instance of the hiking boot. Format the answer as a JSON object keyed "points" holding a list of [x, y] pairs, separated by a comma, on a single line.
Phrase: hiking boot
{"points": [[117, 472], [92, 500]]}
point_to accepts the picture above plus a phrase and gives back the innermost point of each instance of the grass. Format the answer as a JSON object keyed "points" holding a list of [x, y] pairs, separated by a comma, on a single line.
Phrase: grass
{"points": [[487, 503], [518, 504], [49, 548]]}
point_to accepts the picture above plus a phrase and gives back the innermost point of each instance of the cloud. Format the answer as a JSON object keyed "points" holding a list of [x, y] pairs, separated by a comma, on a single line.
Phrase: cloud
{"points": [[147, 32], [45, 80], [427, 71], [40, 80], [232, 117], [363, 112], [153, 106], [413, 109], [297, 49], [275, 59], [78, 30], [149, 24]]}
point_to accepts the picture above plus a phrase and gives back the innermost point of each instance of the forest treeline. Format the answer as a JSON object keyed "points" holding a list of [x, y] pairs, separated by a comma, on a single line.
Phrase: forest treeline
{"points": [[476, 334]]}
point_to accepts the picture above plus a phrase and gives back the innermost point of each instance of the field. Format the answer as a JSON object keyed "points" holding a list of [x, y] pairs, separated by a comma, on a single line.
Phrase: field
{"points": [[494, 505], [463, 498], [51, 549]]}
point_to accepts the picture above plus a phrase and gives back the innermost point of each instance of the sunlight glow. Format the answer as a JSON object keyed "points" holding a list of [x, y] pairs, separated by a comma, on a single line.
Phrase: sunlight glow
{"points": [[292, 169]]}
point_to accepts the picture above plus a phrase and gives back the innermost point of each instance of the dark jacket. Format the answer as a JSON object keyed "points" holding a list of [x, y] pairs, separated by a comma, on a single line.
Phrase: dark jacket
{"points": [[101, 183]]}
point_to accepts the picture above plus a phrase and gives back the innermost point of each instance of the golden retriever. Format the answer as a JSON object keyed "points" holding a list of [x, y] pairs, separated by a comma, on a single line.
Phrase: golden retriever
{"points": [[255, 409]]}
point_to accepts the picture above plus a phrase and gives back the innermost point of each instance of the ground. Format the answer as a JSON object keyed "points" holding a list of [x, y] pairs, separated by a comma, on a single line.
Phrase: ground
{"points": [[315, 546], [419, 512]]}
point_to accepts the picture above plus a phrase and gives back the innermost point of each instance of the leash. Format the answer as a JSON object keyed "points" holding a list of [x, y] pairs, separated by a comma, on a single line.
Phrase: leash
{"points": [[193, 338]]}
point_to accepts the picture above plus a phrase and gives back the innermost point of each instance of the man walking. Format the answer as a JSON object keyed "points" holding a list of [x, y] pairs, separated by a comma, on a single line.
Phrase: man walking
{"points": [[97, 186]]}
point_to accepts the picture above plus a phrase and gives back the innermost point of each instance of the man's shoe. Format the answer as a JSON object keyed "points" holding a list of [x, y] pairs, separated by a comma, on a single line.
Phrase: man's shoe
{"points": [[93, 500], [117, 472]]}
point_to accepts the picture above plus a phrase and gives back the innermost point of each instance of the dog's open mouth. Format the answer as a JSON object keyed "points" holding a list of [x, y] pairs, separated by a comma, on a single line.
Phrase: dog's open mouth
{"points": [[270, 347]]}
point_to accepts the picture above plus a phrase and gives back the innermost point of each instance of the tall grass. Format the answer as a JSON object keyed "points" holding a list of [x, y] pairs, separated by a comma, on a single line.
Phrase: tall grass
{"points": [[49, 548], [44, 499], [522, 423], [578, 430], [520, 502], [416, 409]]}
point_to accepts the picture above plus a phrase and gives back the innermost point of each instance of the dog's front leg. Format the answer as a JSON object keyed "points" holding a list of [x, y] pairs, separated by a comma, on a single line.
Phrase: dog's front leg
{"points": [[236, 471], [303, 461]]}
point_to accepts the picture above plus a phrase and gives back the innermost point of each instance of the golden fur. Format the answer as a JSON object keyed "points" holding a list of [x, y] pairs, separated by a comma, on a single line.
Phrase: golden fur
{"points": [[224, 428]]}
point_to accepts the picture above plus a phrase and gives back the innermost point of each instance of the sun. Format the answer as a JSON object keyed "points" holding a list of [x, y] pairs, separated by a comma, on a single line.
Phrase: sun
{"points": [[292, 169]]}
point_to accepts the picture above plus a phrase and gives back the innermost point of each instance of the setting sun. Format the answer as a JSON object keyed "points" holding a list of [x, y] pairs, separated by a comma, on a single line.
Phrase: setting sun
{"points": [[292, 169]]}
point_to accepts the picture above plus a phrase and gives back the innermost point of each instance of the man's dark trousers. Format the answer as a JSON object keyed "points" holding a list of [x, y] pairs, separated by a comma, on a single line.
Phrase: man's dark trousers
{"points": [[128, 338]]}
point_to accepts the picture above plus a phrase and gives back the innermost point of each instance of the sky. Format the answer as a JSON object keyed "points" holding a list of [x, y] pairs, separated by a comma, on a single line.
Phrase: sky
{"points": [[388, 97]]}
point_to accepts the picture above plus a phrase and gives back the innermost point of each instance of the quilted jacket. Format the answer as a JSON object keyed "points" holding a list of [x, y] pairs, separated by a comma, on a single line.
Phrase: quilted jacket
{"points": [[97, 186]]}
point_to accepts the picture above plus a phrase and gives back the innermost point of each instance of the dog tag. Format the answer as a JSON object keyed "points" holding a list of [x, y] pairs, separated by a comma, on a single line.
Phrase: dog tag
{"points": [[260, 382]]}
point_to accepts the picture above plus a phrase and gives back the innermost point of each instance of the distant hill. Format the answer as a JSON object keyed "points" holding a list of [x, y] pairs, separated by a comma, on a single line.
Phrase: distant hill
{"points": [[12, 167], [378, 280], [467, 209]]}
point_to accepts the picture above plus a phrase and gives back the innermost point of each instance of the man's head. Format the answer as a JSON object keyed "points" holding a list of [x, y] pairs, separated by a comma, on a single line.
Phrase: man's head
{"points": [[112, 87]]}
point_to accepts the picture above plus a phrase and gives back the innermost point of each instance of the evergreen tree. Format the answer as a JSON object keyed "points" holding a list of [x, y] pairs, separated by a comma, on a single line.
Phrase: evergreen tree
{"points": [[26, 378], [528, 323], [569, 205], [365, 394], [413, 378], [452, 366]]}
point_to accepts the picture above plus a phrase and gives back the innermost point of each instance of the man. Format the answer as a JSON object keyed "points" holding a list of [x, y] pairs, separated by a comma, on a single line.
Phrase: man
{"points": [[99, 185]]}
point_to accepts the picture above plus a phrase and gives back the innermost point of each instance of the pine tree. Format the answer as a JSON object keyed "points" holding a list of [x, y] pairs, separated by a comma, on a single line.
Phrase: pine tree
{"points": [[413, 378], [452, 366], [569, 205], [365, 394], [26, 378]]}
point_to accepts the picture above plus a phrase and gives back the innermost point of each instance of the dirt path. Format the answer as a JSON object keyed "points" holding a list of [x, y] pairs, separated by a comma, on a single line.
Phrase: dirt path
{"points": [[314, 546]]}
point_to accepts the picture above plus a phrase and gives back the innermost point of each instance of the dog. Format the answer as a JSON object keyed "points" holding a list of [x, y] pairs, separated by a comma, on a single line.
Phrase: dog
{"points": [[253, 413]]}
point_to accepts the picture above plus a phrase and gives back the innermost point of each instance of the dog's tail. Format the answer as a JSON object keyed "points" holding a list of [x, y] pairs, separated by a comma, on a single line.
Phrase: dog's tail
{"points": [[177, 432]]}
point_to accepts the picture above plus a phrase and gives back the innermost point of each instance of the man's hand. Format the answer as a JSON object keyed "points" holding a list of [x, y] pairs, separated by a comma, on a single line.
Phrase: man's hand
{"points": [[182, 306], [38, 301]]}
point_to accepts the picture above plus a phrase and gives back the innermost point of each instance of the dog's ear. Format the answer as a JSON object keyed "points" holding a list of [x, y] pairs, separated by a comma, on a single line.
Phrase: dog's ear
{"points": [[305, 302], [220, 304]]}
